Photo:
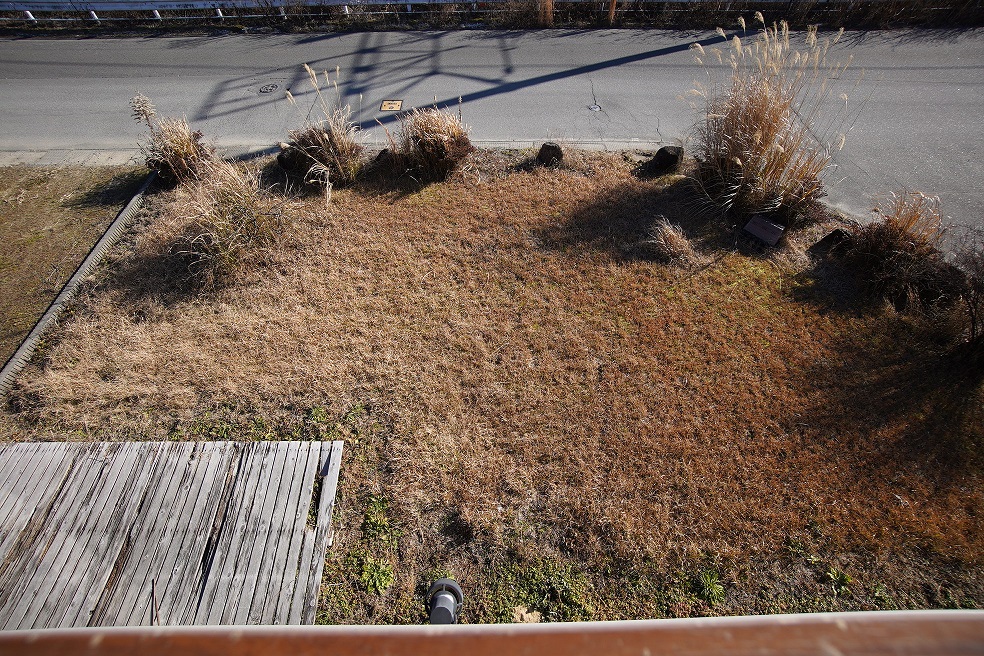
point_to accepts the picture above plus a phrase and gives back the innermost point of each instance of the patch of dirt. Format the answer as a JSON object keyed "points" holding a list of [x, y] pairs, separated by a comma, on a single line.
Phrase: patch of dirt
{"points": [[50, 217]]}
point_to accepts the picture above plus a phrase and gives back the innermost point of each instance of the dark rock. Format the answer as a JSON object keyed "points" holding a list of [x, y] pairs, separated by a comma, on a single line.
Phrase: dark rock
{"points": [[293, 160], [550, 154], [832, 242], [666, 160]]}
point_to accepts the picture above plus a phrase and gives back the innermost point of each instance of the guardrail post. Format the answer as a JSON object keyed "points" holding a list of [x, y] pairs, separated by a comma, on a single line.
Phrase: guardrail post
{"points": [[93, 16], [29, 16], [157, 14]]}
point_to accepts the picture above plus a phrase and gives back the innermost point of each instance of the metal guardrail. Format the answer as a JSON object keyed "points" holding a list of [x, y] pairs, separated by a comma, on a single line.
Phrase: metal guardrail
{"points": [[94, 7]]}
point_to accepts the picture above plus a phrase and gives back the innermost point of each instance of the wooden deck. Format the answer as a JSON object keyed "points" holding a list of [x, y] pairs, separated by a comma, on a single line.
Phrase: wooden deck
{"points": [[176, 533]]}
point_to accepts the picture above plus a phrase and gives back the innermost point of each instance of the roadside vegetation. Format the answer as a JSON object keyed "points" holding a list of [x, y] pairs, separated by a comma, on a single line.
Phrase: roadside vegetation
{"points": [[583, 392]]}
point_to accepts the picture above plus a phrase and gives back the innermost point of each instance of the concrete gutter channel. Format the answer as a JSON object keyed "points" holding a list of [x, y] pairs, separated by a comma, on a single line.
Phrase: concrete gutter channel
{"points": [[124, 219], [25, 351]]}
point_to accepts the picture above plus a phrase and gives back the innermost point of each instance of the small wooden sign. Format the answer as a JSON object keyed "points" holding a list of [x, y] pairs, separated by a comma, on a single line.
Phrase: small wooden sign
{"points": [[765, 230], [391, 106]]}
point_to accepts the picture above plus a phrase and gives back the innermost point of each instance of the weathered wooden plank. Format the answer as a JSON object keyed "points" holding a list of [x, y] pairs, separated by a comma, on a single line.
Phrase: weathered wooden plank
{"points": [[229, 581], [133, 608], [71, 507], [73, 561], [194, 580], [145, 572], [18, 474], [292, 568], [250, 526], [113, 541], [10, 452], [183, 521], [261, 551], [326, 504], [55, 463], [39, 517], [6, 449], [154, 474], [184, 593], [228, 540], [307, 552], [24, 473], [270, 583]]}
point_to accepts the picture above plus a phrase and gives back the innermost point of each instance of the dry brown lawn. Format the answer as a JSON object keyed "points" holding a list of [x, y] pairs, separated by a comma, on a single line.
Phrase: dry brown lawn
{"points": [[49, 219], [529, 406]]}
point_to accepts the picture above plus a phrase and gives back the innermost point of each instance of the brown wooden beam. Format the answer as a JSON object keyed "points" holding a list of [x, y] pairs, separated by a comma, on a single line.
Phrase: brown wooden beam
{"points": [[906, 632]]}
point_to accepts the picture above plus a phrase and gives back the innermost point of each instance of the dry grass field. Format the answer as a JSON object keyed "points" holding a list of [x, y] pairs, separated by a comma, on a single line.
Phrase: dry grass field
{"points": [[530, 405], [49, 219]]}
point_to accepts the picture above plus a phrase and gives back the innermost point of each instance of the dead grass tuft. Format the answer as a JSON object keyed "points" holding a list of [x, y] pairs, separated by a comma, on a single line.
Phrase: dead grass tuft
{"points": [[174, 151], [327, 151], [433, 142], [668, 243], [229, 218], [899, 256]]}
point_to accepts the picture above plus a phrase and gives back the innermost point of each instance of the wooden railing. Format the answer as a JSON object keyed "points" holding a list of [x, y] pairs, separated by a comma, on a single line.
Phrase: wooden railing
{"points": [[906, 632]]}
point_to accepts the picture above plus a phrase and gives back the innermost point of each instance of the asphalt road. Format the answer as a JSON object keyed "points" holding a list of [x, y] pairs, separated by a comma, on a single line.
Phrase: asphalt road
{"points": [[916, 115]]}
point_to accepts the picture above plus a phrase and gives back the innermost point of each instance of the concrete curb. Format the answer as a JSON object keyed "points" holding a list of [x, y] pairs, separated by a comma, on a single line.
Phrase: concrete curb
{"points": [[25, 351]]}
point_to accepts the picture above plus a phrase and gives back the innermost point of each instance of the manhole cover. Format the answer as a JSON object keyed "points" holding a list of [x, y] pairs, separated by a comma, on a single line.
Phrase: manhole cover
{"points": [[594, 108], [269, 88]]}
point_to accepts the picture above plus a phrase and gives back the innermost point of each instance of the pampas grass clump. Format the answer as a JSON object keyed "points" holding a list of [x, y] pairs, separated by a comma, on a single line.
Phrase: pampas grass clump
{"points": [[174, 151], [325, 151], [763, 141]]}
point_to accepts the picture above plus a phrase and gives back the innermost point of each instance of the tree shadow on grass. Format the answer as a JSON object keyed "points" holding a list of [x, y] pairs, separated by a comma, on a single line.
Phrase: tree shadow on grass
{"points": [[161, 277], [900, 376], [618, 220], [116, 192]]}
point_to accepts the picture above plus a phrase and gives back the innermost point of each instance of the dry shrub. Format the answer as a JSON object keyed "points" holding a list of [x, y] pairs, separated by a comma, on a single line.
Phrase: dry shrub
{"points": [[230, 218], [970, 261], [174, 151], [761, 142], [899, 254], [325, 151], [433, 142], [667, 242]]}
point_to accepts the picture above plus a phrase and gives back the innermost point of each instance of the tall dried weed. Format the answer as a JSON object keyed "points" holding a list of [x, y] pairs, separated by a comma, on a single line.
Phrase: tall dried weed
{"points": [[970, 261], [174, 151], [763, 140], [667, 242]]}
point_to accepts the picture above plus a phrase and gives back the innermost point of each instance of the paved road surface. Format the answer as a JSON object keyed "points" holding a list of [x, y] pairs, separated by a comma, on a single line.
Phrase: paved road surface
{"points": [[919, 127]]}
